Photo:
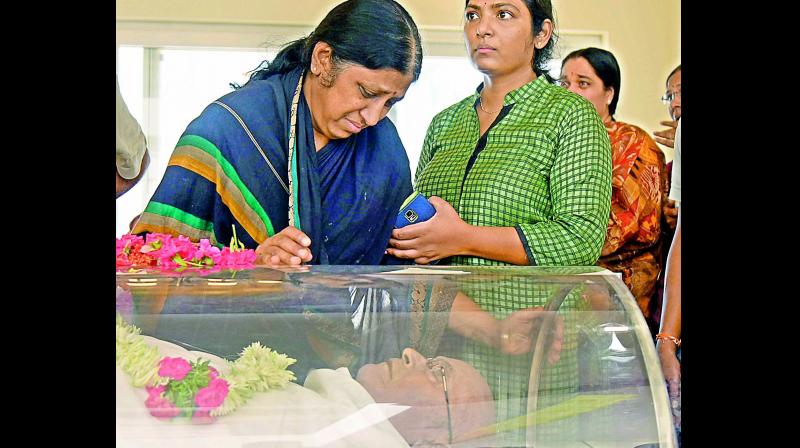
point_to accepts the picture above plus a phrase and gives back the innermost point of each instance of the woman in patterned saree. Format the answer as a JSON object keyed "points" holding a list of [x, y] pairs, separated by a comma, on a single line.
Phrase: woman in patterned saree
{"points": [[300, 163], [633, 245], [519, 171]]}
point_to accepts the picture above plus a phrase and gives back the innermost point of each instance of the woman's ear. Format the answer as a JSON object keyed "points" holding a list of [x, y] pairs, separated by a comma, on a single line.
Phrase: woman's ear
{"points": [[322, 63], [543, 37], [609, 95]]}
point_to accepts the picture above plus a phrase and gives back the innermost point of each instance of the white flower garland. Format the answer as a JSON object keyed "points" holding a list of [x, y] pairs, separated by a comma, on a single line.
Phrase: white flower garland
{"points": [[258, 369]]}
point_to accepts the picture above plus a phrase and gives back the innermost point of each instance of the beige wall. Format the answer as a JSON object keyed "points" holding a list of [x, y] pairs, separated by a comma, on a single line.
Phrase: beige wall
{"points": [[644, 35], [425, 12]]}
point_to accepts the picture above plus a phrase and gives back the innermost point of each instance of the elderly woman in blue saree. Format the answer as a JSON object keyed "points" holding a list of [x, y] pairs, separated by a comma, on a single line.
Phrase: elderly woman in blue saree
{"points": [[299, 163]]}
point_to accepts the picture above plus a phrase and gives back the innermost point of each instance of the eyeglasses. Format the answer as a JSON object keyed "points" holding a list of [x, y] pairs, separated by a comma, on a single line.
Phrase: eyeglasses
{"points": [[669, 96], [435, 365]]}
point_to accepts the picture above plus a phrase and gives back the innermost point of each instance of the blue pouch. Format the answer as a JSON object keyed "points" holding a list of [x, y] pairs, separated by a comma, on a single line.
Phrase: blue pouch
{"points": [[415, 208]]}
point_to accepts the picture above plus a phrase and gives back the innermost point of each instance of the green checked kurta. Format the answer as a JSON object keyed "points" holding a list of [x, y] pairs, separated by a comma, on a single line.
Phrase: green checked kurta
{"points": [[545, 169]]}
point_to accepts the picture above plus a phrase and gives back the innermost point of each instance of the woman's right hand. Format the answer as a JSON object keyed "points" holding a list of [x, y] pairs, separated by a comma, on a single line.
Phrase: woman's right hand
{"points": [[289, 247]]}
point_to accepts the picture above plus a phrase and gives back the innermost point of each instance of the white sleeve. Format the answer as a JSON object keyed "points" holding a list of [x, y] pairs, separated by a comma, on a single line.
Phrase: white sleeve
{"points": [[131, 144]]}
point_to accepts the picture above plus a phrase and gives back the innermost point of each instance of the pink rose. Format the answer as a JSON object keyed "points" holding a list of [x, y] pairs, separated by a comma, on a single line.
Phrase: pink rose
{"points": [[212, 395], [213, 373], [154, 392], [161, 408], [175, 368]]}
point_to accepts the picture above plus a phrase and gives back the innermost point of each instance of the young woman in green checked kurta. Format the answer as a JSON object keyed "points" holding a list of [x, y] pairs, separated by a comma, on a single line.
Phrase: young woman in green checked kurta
{"points": [[520, 171]]}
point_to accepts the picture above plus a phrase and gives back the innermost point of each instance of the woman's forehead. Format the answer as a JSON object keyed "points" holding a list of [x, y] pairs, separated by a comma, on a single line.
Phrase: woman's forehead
{"points": [[382, 80]]}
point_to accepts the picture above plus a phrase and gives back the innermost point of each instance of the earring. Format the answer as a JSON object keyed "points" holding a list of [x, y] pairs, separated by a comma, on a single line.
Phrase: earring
{"points": [[326, 80], [314, 69]]}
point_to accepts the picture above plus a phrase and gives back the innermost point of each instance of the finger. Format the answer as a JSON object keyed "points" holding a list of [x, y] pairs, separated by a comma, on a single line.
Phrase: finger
{"points": [[674, 390], [422, 260], [296, 235], [669, 123], [665, 142], [410, 231], [403, 244], [272, 260], [530, 314], [284, 258], [275, 255], [261, 258], [558, 339], [438, 202], [554, 355], [405, 254], [559, 328], [292, 247]]}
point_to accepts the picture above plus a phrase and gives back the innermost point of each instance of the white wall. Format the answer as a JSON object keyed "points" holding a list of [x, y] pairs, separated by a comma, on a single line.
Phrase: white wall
{"points": [[644, 35]]}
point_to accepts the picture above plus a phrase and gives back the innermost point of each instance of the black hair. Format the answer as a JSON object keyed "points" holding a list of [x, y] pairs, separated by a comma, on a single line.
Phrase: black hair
{"points": [[605, 65], [540, 11], [375, 34]]}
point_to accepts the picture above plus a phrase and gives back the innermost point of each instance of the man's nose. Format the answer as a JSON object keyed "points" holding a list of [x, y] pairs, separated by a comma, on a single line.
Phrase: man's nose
{"points": [[412, 359]]}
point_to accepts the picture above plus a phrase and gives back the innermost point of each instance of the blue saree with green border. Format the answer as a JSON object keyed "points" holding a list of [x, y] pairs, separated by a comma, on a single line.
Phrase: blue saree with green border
{"points": [[229, 169]]}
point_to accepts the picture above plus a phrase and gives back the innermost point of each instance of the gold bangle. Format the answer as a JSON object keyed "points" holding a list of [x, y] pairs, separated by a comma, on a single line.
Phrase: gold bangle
{"points": [[675, 340]]}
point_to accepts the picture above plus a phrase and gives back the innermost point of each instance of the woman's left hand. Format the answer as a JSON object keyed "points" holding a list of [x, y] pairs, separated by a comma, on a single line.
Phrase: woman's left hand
{"points": [[440, 237]]}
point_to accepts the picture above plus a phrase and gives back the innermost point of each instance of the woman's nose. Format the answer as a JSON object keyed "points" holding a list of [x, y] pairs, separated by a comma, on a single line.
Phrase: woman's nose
{"points": [[483, 28], [371, 114]]}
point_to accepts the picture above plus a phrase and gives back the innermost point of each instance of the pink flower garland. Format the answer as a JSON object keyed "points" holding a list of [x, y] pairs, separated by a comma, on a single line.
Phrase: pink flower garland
{"points": [[194, 390], [169, 252]]}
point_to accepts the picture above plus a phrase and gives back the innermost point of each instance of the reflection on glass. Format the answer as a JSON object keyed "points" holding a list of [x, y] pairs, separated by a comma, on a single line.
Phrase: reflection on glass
{"points": [[497, 357]]}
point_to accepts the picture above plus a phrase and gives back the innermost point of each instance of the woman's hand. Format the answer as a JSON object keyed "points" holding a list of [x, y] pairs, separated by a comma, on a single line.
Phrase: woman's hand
{"points": [[289, 247], [671, 368], [517, 328], [667, 136], [439, 237]]}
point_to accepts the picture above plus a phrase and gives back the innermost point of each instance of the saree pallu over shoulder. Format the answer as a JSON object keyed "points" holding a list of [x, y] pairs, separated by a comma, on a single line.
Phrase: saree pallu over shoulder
{"points": [[633, 244], [229, 169]]}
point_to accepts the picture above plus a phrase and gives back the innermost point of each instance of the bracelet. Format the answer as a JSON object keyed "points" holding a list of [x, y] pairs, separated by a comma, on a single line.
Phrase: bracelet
{"points": [[675, 340]]}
